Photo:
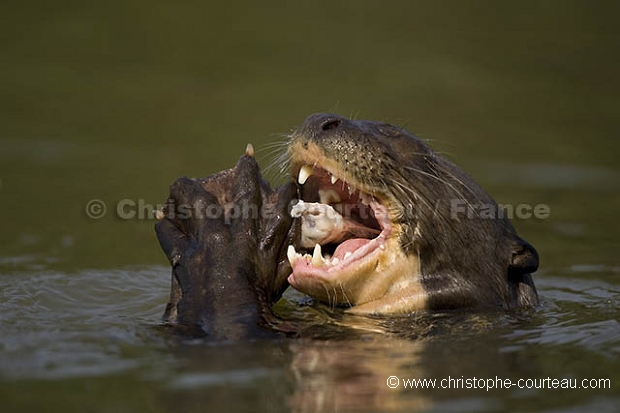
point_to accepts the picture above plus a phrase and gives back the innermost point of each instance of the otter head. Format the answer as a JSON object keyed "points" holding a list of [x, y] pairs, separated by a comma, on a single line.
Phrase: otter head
{"points": [[390, 226]]}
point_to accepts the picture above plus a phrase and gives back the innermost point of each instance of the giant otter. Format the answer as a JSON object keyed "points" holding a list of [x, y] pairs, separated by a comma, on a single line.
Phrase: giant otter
{"points": [[374, 221], [399, 224]]}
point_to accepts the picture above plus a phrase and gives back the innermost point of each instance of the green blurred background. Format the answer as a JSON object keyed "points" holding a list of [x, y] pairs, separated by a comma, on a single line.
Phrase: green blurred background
{"points": [[114, 100]]}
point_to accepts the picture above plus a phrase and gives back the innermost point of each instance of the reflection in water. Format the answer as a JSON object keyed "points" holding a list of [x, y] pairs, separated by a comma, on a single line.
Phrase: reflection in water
{"points": [[352, 376]]}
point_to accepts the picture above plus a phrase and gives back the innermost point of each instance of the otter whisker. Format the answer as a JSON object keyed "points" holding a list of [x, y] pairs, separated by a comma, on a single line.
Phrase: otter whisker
{"points": [[329, 299], [273, 156], [344, 295], [426, 203], [335, 298], [280, 162], [404, 188], [443, 181], [452, 176]]}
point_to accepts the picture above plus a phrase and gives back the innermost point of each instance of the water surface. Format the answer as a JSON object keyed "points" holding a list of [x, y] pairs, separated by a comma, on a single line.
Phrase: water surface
{"points": [[112, 102]]}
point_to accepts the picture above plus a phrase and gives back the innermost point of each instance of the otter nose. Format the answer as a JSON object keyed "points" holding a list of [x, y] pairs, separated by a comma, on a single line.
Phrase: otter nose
{"points": [[315, 124]]}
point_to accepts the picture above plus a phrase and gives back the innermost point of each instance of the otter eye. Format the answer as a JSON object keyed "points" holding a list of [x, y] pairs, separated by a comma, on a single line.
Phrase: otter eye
{"points": [[330, 124]]}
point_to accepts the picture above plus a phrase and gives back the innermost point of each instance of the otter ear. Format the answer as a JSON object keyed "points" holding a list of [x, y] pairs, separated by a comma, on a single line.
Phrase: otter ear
{"points": [[524, 257]]}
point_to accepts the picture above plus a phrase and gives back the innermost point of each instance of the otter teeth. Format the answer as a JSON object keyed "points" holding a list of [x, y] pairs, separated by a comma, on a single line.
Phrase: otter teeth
{"points": [[291, 254], [304, 174], [333, 179], [317, 256], [316, 259]]}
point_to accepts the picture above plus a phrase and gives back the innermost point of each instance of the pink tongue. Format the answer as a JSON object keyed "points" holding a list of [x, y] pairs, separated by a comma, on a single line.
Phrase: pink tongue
{"points": [[350, 245]]}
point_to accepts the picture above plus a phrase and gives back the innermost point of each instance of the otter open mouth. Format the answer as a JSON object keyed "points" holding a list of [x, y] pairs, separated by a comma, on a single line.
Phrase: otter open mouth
{"points": [[344, 232]]}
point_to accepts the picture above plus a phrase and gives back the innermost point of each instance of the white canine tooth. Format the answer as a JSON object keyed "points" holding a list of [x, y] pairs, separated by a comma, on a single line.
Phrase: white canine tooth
{"points": [[304, 174], [333, 179], [291, 255], [350, 189], [347, 255], [317, 256]]}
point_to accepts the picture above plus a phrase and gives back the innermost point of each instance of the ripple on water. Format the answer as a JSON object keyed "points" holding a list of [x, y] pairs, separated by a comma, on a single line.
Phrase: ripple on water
{"points": [[575, 311], [81, 324], [97, 322]]}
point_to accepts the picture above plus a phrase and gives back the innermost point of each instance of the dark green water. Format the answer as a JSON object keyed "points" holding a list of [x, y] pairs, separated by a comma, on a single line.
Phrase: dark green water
{"points": [[114, 101]]}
